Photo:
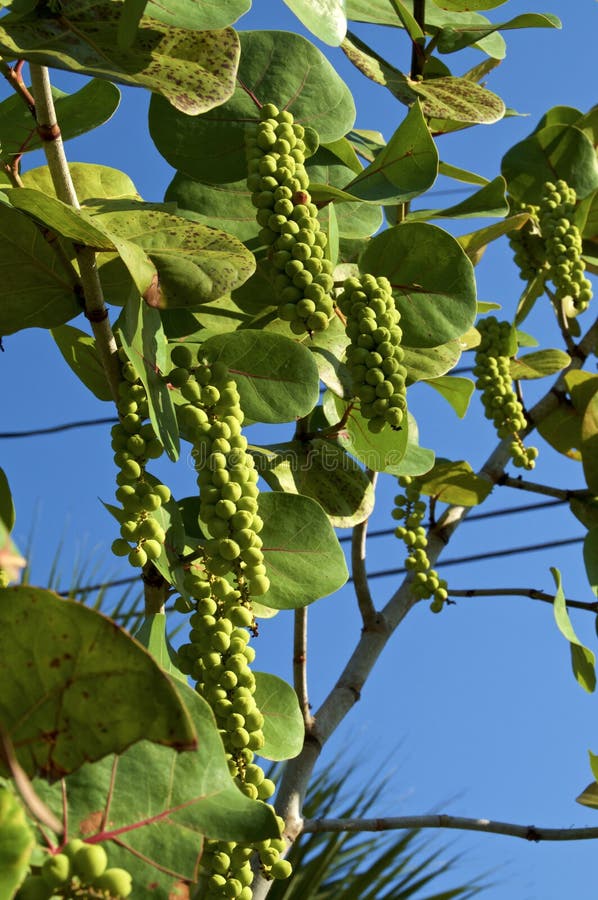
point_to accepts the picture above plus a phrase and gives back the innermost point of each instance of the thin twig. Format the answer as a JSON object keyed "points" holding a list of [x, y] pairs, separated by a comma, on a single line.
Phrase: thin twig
{"points": [[522, 592], [95, 308], [462, 823], [13, 76], [547, 490], [300, 666], [365, 602]]}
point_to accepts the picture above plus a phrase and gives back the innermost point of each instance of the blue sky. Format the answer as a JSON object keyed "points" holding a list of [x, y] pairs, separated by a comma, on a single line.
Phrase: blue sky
{"points": [[478, 703]]}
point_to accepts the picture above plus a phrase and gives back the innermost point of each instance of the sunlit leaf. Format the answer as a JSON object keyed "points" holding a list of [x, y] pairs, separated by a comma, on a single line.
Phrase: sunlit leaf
{"points": [[75, 687], [582, 659]]}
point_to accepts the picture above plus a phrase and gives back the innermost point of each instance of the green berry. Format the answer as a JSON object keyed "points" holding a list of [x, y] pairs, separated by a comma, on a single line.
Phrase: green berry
{"points": [[56, 869], [90, 862]]}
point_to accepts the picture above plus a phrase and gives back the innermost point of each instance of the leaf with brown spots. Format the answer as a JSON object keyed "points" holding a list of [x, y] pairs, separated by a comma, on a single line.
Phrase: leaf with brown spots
{"points": [[194, 70], [75, 687]]}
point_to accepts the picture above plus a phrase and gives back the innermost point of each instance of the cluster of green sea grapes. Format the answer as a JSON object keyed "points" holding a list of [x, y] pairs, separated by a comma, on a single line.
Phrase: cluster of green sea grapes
{"points": [[563, 244], [78, 870], [492, 370], [226, 867], [228, 572], [527, 244], [410, 509], [226, 475], [134, 442], [279, 183], [375, 355]]}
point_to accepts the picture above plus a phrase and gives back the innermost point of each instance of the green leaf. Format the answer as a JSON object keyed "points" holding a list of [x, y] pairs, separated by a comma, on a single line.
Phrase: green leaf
{"points": [[417, 460], [455, 482], [423, 363], [298, 538], [79, 351], [75, 687], [447, 97], [589, 443], [557, 151], [437, 303], [319, 469], [463, 175], [144, 342], [68, 222], [344, 151], [451, 38], [405, 168], [589, 797], [155, 805], [328, 180], [383, 12], [283, 728], [475, 242], [466, 5], [195, 263], [277, 378], [7, 507], [380, 452], [489, 201], [92, 183], [77, 113], [409, 22], [152, 635], [130, 17], [226, 206], [205, 16], [582, 659], [539, 364], [324, 18], [590, 556], [40, 290], [16, 843], [11, 561], [194, 70], [459, 100], [560, 115], [456, 390], [276, 67], [586, 510]]}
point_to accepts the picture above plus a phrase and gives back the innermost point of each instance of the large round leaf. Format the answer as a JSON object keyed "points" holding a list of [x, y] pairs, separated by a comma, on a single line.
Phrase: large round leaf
{"points": [[227, 205], [303, 556], [39, 287], [195, 263], [92, 183], [195, 70], [158, 804], [324, 18], [277, 378], [16, 842], [380, 452], [430, 362], [432, 280], [319, 469], [276, 67], [75, 687], [205, 16], [557, 151], [283, 726]]}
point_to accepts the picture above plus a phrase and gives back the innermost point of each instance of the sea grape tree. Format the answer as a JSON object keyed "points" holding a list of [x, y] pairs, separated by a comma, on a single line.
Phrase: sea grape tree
{"points": [[285, 277]]}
